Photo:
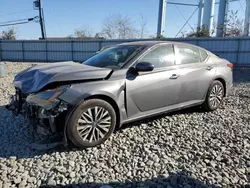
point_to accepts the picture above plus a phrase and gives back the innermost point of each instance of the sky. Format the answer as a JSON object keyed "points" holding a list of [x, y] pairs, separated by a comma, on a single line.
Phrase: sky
{"points": [[62, 17]]}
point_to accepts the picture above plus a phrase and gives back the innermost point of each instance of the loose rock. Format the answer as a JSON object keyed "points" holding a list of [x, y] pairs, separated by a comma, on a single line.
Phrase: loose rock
{"points": [[189, 148]]}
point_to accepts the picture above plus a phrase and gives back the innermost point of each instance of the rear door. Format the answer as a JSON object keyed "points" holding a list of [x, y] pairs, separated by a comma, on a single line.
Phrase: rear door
{"points": [[149, 91], [195, 74]]}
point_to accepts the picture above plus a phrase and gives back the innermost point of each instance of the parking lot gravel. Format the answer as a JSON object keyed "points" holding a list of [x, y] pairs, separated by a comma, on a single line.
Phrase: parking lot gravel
{"points": [[190, 148]]}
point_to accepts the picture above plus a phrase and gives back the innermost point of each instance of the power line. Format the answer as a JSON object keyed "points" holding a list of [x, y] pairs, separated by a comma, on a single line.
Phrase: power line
{"points": [[18, 23], [14, 24], [14, 21]]}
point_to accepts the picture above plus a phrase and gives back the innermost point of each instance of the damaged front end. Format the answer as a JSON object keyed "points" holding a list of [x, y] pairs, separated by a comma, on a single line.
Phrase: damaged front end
{"points": [[45, 112]]}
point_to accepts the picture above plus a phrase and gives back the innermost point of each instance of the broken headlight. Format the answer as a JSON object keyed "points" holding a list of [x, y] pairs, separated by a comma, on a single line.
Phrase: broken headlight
{"points": [[46, 99]]}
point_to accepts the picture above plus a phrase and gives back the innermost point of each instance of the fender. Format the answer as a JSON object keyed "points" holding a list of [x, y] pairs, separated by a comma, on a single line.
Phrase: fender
{"points": [[77, 93]]}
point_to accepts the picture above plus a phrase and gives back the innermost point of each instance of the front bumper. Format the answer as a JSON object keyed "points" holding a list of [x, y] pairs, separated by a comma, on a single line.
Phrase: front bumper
{"points": [[42, 122]]}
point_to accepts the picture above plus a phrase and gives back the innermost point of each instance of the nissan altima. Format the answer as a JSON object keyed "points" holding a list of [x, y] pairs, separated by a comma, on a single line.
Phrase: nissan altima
{"points": [[85, 102]]}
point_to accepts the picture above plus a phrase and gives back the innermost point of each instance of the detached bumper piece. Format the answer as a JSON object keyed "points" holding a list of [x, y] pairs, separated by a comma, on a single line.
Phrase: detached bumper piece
{"points": [[15, 103], [46, 125]]}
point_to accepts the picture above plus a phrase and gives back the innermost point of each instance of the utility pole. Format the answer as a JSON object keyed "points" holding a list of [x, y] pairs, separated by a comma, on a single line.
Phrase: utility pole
{"points": [[161, 17], [37, 6], [41, 18], [208, 15], [222, 17], [200, 14]]}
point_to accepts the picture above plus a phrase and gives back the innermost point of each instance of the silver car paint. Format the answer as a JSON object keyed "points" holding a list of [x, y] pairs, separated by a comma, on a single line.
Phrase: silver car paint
{"points": [[195, 80], [151, 90], [150, 93], [112, 89], [34, 79]]}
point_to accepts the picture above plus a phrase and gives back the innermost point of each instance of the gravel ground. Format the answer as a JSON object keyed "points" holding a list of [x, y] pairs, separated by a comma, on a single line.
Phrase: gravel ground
{"points": [[190, 148]]}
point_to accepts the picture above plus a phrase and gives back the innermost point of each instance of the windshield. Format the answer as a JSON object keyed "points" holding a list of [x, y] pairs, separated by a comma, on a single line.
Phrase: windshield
{"points": [[114, 57]]}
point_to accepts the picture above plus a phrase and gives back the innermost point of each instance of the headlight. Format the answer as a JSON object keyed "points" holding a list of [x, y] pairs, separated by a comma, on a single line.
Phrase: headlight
{"points": [[46, 99]]}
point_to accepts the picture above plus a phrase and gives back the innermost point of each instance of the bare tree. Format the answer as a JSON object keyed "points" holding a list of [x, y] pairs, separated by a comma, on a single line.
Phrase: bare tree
{"points": [[10, 34], [200, 32], [234, 26], [99, 36], [143, 27], [119, 27], [83, 33]]}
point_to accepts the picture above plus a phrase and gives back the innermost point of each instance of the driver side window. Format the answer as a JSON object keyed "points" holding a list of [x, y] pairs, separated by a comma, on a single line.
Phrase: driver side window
{"points": [[162, 56]]}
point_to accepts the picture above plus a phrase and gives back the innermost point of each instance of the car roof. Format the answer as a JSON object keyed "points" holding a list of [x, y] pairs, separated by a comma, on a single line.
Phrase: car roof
{"points": [[147, 43], [152, 43]]}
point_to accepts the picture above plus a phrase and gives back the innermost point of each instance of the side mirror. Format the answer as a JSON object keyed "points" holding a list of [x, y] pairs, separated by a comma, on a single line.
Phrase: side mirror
{"points": [[144, 67]]}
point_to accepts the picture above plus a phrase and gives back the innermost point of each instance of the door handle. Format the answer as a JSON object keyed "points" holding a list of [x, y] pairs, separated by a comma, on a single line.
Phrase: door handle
{"points": [[174, 76], [209, 68]]}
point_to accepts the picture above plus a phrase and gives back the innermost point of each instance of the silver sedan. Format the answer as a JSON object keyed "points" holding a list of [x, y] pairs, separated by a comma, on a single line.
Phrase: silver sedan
{"points": [[123, 83]]}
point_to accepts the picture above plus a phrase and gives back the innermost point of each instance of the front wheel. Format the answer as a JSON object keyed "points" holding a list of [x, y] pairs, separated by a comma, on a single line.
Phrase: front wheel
{"points": [[214, 96], [91, 123]]}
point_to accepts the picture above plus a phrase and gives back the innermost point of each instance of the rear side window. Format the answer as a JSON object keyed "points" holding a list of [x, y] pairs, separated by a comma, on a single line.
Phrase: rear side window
{"points": [[203, 54], [188, 54], [162, 56]]}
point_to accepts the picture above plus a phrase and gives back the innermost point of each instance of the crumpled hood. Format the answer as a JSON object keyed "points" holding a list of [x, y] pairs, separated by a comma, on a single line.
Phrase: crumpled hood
{"points": [[35, 78]]}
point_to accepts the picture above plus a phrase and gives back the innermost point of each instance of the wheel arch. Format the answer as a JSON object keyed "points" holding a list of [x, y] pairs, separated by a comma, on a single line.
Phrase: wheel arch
{"points": [[222, 80], [111, 101], [96, 96]]}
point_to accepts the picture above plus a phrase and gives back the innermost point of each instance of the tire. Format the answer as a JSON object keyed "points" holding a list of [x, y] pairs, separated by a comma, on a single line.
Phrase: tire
{"points": [[214, 96], [85, 132]]}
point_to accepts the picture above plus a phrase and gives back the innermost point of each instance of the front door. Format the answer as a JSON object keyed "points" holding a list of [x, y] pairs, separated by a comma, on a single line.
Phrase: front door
{"points": [[151, 91]]}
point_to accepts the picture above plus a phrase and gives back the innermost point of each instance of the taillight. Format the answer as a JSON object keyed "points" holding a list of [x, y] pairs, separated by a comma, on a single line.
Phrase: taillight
{"points": [[231, 65]]}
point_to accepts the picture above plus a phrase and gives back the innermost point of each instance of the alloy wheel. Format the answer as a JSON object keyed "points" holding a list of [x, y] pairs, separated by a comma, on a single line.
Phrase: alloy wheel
{"points": [[216, 95], [94, 124]]}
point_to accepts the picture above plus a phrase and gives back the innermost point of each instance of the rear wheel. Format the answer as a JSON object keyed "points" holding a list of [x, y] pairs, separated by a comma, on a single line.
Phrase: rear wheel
{"points": [[91, 123], [214, 96]]}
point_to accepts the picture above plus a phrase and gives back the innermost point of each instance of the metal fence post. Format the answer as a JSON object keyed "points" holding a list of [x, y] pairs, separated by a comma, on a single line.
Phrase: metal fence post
{"points": [[23, 58], [197, 42], [46, 50], [238, 50], [72, 52], [100, 45]]}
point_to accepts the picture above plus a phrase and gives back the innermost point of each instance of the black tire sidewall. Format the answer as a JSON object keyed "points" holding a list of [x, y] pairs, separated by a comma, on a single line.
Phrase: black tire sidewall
{"points": [[208, 105], [72, 123]]}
